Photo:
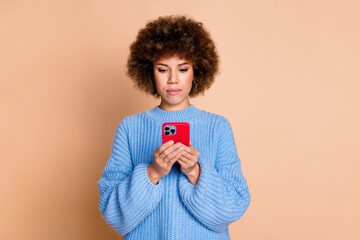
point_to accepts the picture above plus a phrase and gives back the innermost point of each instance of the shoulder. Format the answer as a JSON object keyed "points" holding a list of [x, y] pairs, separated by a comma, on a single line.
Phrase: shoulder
{"points": [[217, 124], [130, 120], [217, 119], [133, 117]]}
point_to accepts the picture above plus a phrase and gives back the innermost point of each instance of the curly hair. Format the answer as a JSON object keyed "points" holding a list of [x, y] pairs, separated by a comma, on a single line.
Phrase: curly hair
{"points": [[173, 35]]}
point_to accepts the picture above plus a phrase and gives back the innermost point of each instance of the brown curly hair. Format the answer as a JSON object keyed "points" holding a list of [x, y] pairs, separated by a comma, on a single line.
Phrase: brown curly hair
{"points": [[167, 36]]}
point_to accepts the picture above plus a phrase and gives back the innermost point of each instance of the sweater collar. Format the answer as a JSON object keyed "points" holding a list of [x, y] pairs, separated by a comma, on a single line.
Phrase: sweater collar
{"points": [[174, 116]]}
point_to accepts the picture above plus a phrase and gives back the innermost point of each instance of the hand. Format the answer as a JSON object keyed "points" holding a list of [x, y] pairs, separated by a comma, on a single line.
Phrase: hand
{"points": [[189, 163], [163, 159]]}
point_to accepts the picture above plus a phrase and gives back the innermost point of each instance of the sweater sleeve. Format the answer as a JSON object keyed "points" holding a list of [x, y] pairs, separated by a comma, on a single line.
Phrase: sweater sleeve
{"points": [[127, 195], [221, 195]]}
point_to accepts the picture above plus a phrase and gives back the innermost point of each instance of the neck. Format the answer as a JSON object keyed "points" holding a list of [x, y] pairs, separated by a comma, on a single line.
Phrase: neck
{"points": [[185, 115], [174, 107]]}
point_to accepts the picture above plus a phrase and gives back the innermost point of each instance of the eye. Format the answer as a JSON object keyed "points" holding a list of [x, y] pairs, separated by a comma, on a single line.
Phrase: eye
{"points": [[161, 70], [184, 70]]}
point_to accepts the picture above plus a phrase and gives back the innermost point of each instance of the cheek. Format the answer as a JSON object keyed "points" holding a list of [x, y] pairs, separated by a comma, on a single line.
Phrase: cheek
{"points": [[189, 84], [160, 86], [158, 80], [188, 81]]}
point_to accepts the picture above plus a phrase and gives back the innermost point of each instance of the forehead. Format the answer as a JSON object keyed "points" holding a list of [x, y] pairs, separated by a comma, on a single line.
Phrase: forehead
{"points": [[172, 59]]}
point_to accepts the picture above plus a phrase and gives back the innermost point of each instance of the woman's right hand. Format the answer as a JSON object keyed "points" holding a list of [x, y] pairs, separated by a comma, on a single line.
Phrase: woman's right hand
{"points": [[163, 159]]}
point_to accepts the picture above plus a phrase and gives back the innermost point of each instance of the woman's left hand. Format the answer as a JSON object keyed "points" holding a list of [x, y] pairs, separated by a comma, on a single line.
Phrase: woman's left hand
{"points": [[189, 163]]}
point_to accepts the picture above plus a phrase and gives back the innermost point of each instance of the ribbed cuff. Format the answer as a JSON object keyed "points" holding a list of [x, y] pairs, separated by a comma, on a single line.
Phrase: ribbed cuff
{"points": [[140, 178], [198, 192], [204, 200]]}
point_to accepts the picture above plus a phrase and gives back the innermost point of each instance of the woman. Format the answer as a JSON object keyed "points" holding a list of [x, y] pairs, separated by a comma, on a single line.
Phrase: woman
{"points": [[151, 190]]}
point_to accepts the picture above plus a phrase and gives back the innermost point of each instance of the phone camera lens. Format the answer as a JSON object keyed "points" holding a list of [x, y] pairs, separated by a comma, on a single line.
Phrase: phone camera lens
{"points": [[172, 131], [167, 128], [166, 133]]}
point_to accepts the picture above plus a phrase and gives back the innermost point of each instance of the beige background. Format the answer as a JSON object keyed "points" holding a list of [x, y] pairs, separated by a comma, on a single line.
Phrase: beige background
{"points": [[289, 85]]}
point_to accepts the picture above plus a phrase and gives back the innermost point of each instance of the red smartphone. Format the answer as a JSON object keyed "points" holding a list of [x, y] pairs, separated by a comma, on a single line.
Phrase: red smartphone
{"points": [[176, 131]]}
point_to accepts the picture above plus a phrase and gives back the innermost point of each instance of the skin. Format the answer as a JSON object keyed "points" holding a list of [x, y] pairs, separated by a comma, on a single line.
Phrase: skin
{"points": [[174, 73]]}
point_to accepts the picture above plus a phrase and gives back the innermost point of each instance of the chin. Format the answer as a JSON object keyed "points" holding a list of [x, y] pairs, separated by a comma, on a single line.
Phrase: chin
{"points": [[173, 102]]}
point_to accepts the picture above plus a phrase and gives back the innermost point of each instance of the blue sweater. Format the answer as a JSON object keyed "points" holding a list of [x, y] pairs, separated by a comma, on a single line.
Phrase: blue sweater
{"points": [[174, 208]]}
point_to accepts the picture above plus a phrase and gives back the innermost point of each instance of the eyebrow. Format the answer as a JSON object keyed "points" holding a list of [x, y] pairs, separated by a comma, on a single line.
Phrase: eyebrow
{"points": [[163, 64]]}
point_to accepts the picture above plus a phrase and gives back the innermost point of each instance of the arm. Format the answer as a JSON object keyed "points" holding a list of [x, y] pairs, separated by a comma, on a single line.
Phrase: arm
{"points": [[127, 195], [221, 195]]}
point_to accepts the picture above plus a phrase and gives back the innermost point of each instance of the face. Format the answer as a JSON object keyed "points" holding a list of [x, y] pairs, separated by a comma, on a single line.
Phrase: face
{"points": [[173, 80]]}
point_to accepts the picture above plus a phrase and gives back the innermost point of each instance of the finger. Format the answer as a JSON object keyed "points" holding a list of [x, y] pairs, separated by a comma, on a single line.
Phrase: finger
{"points": [[184, 161], [165, 146], [191, 145], [176, 158], [190, 150], [173, 154], [181, 162], [188, 161], [170, 149], [188, 155]]}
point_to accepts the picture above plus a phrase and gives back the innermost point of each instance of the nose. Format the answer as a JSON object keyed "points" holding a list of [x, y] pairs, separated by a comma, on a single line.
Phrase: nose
{"points": [[172, 78]]}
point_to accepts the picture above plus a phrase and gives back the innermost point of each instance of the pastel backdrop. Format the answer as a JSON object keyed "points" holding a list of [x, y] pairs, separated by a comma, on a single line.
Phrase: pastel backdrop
{"points": [[289, 85]]}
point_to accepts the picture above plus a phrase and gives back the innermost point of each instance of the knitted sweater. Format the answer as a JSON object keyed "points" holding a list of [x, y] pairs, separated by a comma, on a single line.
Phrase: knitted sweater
{"points": [[174, 208]]}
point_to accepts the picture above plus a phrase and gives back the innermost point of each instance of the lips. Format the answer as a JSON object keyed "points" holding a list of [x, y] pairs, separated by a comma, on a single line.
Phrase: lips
{"points": [[173, 91]]}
